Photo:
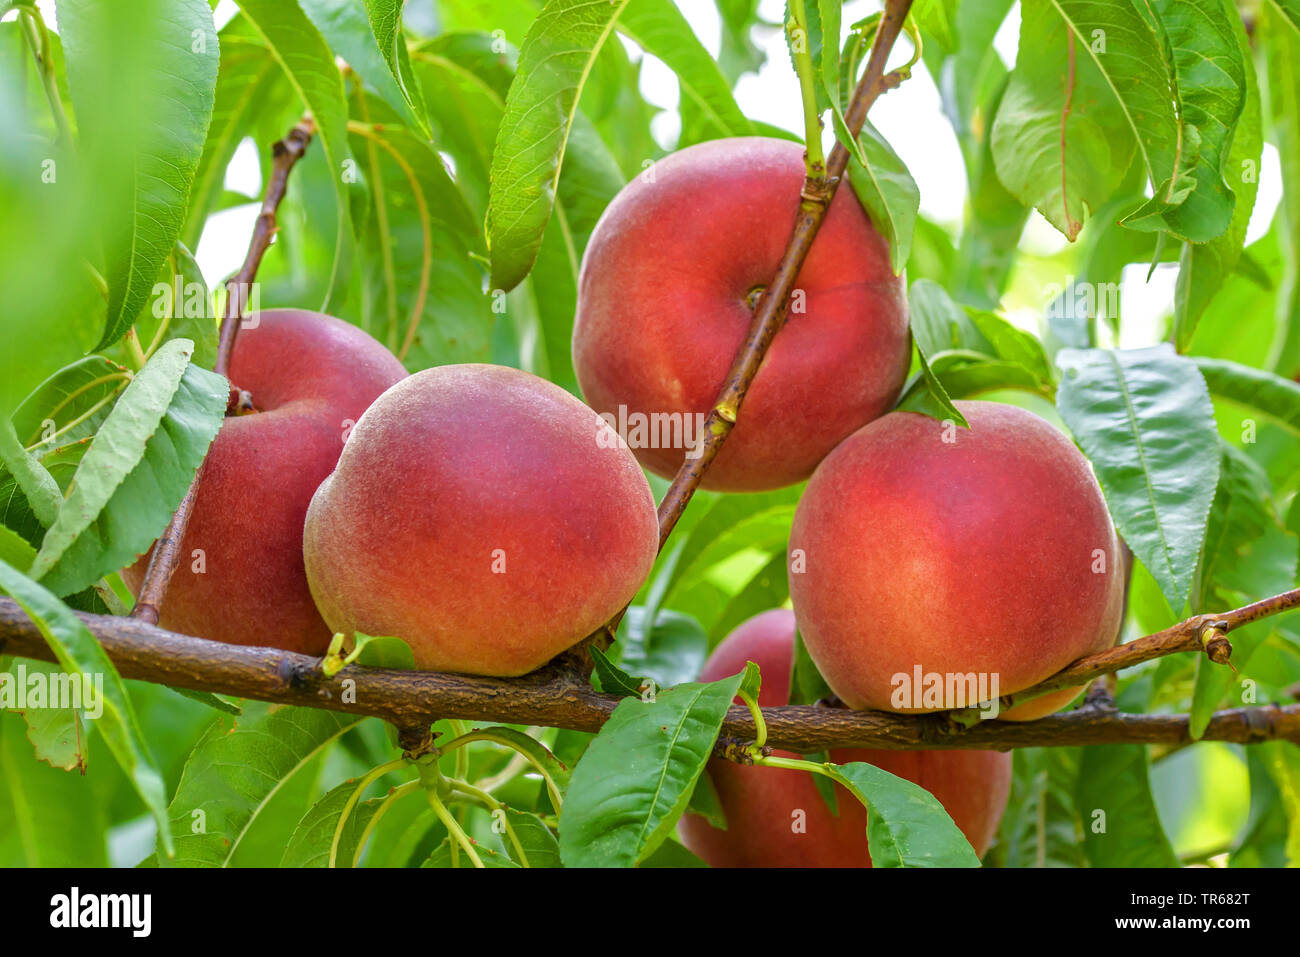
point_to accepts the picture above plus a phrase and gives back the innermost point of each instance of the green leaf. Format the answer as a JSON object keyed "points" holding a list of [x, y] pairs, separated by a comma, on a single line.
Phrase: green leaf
{"points": [[32, 478], [1277, 40], [308, 63], [79, 654], [728, 517], [939, 324], [807, 686], [474, 79], [56, 732], [1013, 344], [1040, 827], [16, 511], [930, 310], [962, 378], [589, 180], [1255, 388], [215, 702], [1247, 550], [245, 83], [1067, 168], [455, 317], [1209, 50], [613, 679], [829, 17], [52, 819], [887, 192], [636, 777], [1283, 759], [539, 845], [672, 854], [69, 405], [554, 62], [16, 550], [1121, 827], [1144, 419], [370, 39], [142, 82], [670, 652], [313, 838], [1272, 833], [1205, 266], [137, 470], [706, 803], [659, 28], [906, 824], [442, 857], [232, 774]]}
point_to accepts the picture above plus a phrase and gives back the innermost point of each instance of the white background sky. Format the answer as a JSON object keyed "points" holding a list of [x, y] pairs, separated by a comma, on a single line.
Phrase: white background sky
{"points": [[911, 119]]}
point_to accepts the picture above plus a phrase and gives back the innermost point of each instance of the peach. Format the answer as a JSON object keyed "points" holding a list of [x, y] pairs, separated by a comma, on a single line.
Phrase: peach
{"points": [[241, 578], [666, 295], [922, 545], [761, 804], [483, 515]]}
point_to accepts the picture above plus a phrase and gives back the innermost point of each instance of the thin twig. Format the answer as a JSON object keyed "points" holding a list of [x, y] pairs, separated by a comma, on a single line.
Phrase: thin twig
{"points": [[1202, 633], [167, 550], [770, 312]]}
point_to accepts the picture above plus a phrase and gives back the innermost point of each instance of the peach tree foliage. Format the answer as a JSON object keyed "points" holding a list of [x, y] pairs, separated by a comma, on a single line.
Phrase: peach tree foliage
{"points": [[462, 156]]}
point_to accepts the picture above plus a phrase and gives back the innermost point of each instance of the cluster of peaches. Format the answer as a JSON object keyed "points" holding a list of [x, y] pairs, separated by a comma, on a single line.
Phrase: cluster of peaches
{"points": [[481, 513]]}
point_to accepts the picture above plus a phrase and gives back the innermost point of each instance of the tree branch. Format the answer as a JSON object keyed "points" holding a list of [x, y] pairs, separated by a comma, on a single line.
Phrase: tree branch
{"points": [[771, 310], [167, 550], [560, 695], [1199, 633]]}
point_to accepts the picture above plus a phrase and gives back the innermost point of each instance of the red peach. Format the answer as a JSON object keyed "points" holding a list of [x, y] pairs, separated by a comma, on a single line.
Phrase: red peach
{"points": [[666, 295], [241, 577], [982, 551], [483, 515]]}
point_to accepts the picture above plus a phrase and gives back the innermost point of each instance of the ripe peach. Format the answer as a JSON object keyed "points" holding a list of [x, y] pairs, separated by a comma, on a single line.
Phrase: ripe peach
{"points": [[483, 515], [761, 803], [241, 577], [983, 551], [666, 295]]}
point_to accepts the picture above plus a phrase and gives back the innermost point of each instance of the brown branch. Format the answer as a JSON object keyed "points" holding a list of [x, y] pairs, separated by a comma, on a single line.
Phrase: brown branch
{"points": [[771, 310], [560, 696], [167, 550], [1199, 633]]}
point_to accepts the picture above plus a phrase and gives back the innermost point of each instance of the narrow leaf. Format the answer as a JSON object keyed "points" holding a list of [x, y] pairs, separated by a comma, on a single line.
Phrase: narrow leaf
{"points": [[80, 655], [554, 62], [636, 777], [142, 79], [906, 824], [136, 471], [1144, 419]]}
